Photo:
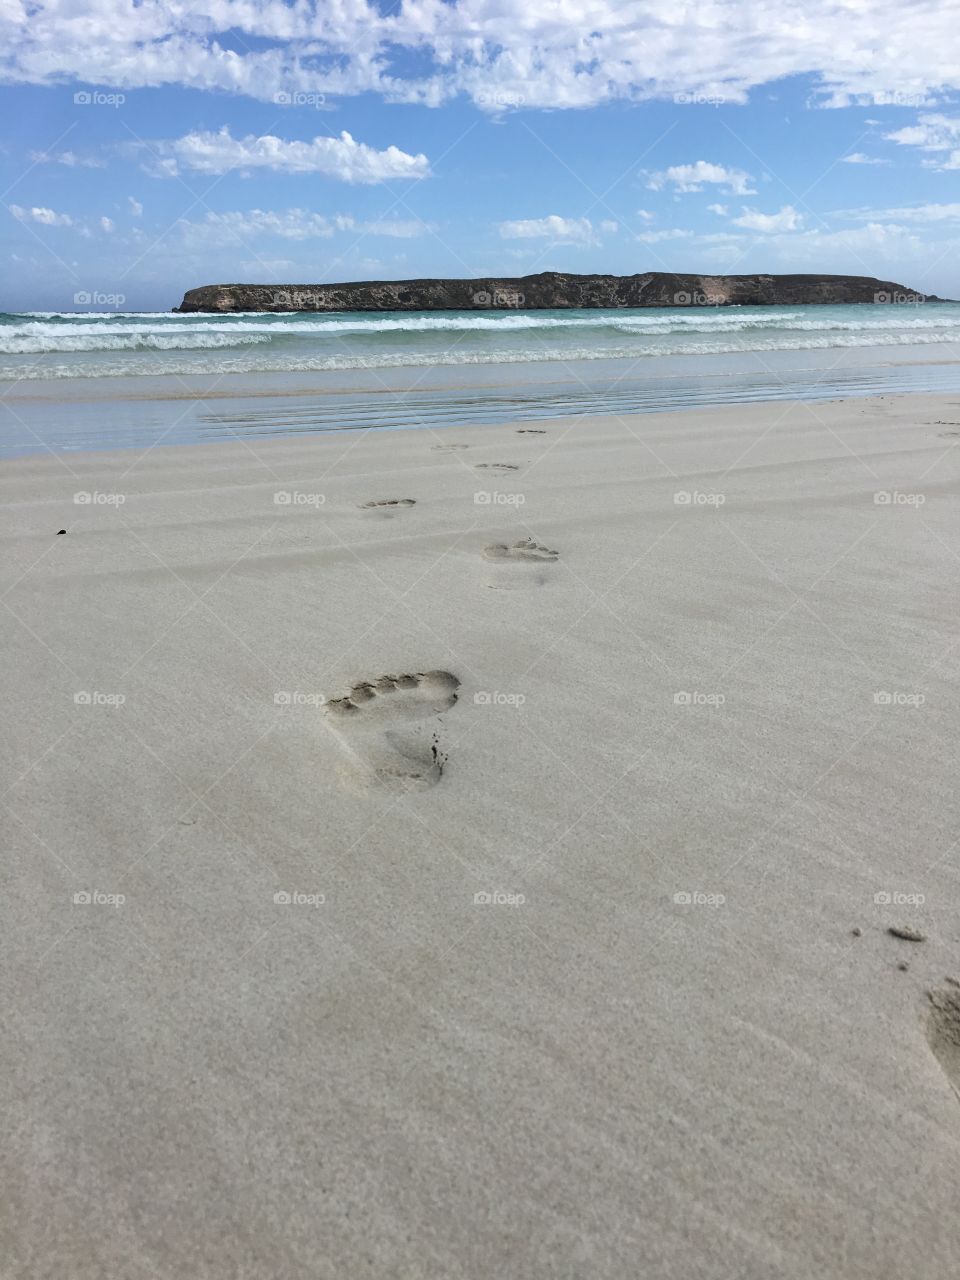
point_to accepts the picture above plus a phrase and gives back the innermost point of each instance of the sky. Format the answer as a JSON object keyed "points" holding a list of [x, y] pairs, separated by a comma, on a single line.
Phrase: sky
{"points": [[147, 149]]}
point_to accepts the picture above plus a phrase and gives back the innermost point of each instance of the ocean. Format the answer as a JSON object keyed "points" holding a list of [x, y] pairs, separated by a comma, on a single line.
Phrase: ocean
{"points": [[251, 374]]}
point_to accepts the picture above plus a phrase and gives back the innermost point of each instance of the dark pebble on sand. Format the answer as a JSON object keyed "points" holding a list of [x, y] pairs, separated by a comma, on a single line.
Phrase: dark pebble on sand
{"points": [[907, 932]]}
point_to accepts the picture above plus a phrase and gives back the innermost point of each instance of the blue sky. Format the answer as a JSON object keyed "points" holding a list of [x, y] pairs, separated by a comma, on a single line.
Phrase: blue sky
{"points": [[147, 151]]}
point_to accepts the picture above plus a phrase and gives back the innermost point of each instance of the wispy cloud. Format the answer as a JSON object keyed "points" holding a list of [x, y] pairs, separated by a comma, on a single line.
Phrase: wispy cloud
{"points": [[786, 219], [342, 158], [553, 227], [692, 177], [46, 217]]}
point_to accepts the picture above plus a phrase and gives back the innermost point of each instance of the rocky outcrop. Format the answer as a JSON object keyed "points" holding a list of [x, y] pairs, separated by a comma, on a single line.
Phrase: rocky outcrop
{"points": [[553, 289]]}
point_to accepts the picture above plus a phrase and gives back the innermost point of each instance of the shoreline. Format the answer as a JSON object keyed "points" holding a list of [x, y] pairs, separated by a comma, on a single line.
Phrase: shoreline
{"points": [[70, 416]]}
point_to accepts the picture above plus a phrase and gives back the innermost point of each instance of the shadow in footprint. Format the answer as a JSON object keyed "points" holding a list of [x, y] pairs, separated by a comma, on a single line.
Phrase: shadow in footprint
{"points": [[531, 431], [383, 726], [943, 1030], [499, 467], [521, 564], [387, 507]]}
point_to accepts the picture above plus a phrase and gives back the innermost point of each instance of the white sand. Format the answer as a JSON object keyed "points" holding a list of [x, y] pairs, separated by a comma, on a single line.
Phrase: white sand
{"points": [[600, 1080]]}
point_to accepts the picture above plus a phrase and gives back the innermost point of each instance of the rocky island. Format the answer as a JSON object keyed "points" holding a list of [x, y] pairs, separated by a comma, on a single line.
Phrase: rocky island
{"points": [[552, 289]]}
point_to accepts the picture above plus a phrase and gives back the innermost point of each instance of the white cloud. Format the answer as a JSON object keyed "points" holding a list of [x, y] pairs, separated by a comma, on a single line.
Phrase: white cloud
{"points": [[787, 219], [553, 227], [646, 215], [657, 237], [46, 217], [936, 133], [906, 213], [540, 53], [609, 227], [719, 209], [691, 177], [68, 158], [106, 224], [136, 208], [342, 158], [857, 157], [295, 224]]}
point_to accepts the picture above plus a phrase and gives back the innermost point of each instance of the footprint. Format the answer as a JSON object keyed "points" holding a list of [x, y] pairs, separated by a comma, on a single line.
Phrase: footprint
{"points": [[387, 507], [943, 1030], [446, 448], [497, 466], [376, 724], [519, 564], [531, 431], [948, 435]]}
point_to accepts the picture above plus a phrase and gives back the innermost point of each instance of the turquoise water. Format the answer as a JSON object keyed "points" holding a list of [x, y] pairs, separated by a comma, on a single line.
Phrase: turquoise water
{"points": [[49, 345], [83, 382]]}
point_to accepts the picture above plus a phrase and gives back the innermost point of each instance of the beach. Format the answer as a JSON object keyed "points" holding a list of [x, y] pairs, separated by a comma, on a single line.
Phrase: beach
{"points": [[469, 851]]}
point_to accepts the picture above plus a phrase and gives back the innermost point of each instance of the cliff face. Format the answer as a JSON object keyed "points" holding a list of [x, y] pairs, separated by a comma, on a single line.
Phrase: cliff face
{"points": [[550, 289]]}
